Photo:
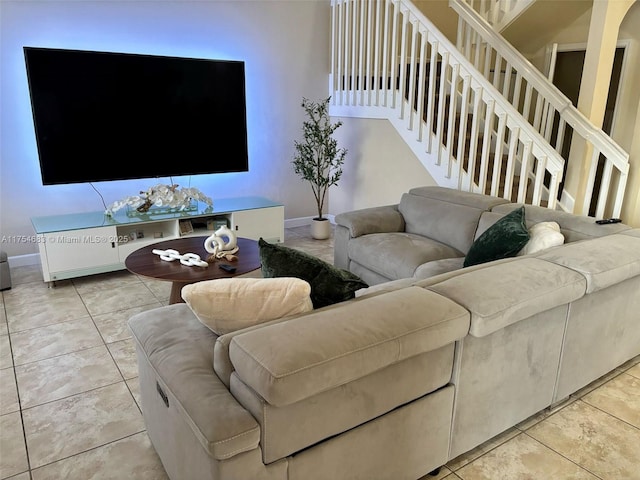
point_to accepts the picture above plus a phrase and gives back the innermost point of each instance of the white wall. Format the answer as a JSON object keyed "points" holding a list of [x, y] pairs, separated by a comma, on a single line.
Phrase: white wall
{"points": [[379, 166], [284, 45], [626, 128]]}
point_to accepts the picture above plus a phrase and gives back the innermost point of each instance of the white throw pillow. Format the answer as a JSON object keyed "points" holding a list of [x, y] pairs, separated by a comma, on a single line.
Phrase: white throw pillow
{"points": [[542, 235], [227, 305]]}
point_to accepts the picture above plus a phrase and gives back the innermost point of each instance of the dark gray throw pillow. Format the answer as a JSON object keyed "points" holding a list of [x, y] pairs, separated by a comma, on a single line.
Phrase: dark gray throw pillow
{"points": [[503, 239], [329, 284]]}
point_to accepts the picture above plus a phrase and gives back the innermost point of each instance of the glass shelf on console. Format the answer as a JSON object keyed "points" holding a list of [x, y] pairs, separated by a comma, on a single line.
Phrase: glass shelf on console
{"points": [[78, 221]]}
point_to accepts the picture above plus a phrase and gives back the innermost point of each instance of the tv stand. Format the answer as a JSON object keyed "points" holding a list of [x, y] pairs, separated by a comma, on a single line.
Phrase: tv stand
{"points": [[80, 244]]}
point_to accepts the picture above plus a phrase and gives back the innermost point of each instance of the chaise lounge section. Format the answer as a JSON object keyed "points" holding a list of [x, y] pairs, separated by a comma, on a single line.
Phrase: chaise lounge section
{"points": [[341, 392], [431, 361]]}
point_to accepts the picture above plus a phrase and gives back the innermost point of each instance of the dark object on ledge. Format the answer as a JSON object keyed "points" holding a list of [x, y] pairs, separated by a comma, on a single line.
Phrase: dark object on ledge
{"points": [[606, 221]]}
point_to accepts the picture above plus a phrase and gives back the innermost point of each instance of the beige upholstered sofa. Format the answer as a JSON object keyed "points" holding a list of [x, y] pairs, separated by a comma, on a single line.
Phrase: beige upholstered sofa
{"points": [[415, 371]]}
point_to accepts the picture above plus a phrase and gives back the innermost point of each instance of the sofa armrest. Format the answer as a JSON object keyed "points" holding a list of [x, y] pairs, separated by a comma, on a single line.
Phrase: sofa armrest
{"points": [[178, 350], [290, 361], [372, 220]]}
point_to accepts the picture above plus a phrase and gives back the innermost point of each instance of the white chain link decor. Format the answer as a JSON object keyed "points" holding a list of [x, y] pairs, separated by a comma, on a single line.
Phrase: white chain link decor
{"points": [[188, 259]]}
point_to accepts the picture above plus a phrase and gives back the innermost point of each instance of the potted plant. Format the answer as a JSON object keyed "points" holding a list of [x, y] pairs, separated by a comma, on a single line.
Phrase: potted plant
{"points": [[318, 159]]}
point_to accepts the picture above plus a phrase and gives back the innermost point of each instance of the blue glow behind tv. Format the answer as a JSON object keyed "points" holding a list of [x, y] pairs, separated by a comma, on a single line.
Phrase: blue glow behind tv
{"points": [[102, 116]]}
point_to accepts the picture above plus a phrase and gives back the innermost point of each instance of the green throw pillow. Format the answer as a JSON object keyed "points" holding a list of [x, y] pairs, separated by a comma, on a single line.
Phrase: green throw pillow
{"points": [[503, 239], [329, 284]]}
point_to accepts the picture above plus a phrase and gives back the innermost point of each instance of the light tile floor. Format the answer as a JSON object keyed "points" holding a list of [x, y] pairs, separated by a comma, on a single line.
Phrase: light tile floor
{"points": [[70, 408]]}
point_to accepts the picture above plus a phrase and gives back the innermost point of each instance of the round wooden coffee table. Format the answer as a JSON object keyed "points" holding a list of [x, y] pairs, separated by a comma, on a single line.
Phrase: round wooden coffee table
{"points": [[144, 262]]}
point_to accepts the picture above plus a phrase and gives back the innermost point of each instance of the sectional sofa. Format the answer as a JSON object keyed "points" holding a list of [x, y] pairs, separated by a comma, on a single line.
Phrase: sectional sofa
{"points": [[430, 361]]}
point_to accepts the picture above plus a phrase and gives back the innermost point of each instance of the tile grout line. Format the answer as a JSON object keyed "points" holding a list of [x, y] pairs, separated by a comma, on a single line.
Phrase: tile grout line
{"points": [[74, 395], [55, 323], [106, 346], [610, 414], [59, 355], [481, 455], [579, 399], [83, 451], [15, 378], [563, 456], [87, 450], [20, 409]]}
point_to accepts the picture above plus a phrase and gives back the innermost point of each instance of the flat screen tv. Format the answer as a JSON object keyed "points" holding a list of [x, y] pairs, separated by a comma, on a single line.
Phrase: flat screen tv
{"points": [[102, 116]]}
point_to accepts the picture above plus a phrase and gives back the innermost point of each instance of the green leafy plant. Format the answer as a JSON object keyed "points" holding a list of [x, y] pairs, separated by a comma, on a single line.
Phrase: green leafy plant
{"points": [[318, 159]]}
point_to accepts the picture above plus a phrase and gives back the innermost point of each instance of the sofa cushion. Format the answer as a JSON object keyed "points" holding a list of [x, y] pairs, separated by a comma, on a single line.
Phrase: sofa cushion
{"points": [[427, 282], [632, 233], [603, 261], [446, 215], [329, 284], [226, 305], [503, 239], [487, 219], [458, 197], [345, 407], [573, 227], [438, 267], [370, 277], [386, 287], [221, 361], [542, 236], [397, 255], [299, 358], [510, 291], [371, 220]]}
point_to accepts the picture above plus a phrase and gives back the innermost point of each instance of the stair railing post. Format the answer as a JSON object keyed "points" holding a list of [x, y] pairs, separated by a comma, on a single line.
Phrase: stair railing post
{"points": [[453, 99], [354, 55], [524, 172], [385, 55], [473, 140], [497, 158], [394, 54], [431, 95], [362, 80], [444, 68], [486, 144], [511, 164], [412, 74], [346, 48], [462, 128], [421, 102], [376, 56], [368, 83]]}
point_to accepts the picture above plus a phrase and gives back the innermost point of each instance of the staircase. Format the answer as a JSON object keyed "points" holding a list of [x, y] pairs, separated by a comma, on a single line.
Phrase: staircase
{"points": [[476, 114]]}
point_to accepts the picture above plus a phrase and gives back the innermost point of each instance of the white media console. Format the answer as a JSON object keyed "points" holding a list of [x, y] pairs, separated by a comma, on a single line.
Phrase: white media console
{"points": [[81, 244]]}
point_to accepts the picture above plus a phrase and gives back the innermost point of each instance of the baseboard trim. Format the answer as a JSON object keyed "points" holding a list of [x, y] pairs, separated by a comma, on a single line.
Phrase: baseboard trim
{"points": [[24, 260], [302, 221], [567, 202]]}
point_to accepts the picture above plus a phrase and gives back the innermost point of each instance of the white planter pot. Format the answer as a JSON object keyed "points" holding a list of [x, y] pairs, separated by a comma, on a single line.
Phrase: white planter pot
{"points": [[320, 228]]}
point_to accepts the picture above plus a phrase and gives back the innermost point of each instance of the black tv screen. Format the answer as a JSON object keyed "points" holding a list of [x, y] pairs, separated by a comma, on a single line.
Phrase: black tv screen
{"points": [[102, 116]]}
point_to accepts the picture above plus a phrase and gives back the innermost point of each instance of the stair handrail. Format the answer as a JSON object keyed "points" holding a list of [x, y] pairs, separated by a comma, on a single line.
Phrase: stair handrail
{"points": [[534, 76], [551, 94], [490, 10], [510, 53], [553, 160]]}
